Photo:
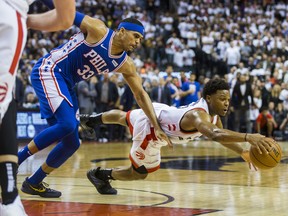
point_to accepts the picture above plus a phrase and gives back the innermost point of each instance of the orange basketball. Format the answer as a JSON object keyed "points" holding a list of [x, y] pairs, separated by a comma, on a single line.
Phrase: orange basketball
{"points": [[266, 161]]}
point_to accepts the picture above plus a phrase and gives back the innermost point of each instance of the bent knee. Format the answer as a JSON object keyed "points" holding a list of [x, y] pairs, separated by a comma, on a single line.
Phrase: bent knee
{"points": [[68, 127], [71, 148], [139, 176]]}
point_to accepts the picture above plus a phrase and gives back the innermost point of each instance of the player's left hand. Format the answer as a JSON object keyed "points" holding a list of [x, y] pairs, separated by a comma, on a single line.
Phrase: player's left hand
{"points": [[162, 136], [246, 157]]}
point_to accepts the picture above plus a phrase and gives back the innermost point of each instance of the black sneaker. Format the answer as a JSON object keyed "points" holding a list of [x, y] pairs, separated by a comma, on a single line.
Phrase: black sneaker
{"points": [[40, 189], [88, 131], [103, 187]]}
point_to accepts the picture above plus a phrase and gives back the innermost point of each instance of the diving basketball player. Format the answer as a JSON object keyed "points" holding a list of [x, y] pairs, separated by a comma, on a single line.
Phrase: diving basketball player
{"points": [[180, 124]]}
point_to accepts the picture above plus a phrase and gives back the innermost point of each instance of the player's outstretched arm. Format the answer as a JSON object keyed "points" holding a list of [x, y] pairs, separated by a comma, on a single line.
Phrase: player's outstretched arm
{"points": [[202, 121], [57, 19], [244, 153], [142, 98]]}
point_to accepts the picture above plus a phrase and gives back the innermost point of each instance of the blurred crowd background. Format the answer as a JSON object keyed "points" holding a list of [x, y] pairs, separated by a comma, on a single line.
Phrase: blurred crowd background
{"points": [[187, 42]]}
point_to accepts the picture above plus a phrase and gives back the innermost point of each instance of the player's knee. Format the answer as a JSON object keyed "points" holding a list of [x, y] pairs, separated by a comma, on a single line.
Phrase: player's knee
{"points": [[75, 146], [139, 173], [72, 146], [117, 114], [139, 176], [68, 126]]}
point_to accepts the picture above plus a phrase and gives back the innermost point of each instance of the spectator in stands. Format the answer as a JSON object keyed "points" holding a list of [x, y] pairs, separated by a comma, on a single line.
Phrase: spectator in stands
{"points": [[232, 56], [266, 63], [161, 93], [167, 21], [179, 58], [19, 93], [255, 108], [279, 115], [246, 51], [284, 95], [240, 102], [169, 70], [86, 95], [86, 98], [172, 45], [189, 56], [175, 91], [107, 96], [275, 93], [221, 48], [190, 90], [271, 108], [31, 101], [265, 123], [192, 37], [284, 123]]}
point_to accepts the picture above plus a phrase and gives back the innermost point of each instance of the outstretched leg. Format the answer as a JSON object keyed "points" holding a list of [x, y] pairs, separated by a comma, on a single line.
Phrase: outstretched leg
{"points": [[88, 122]]}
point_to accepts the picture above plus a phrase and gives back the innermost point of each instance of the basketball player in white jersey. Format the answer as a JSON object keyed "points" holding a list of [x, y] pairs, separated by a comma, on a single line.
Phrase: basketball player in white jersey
{"points": [[13, 33], [180, 124]]}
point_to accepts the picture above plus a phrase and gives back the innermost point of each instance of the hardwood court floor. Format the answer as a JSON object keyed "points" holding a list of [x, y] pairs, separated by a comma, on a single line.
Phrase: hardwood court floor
{"points": [[200, 178]]}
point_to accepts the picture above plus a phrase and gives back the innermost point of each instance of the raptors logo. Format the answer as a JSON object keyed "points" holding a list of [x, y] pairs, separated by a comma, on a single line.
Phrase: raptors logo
{"points": [[140, 155], [3, 91]]}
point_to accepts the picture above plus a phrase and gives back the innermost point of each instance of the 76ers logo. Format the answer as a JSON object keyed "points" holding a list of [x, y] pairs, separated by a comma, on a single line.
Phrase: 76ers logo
{"points": [[3, 91]]}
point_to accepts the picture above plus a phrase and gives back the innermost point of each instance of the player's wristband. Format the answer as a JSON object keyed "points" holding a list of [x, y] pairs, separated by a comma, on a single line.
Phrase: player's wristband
{"points": [[48, 3], [78, 19]]}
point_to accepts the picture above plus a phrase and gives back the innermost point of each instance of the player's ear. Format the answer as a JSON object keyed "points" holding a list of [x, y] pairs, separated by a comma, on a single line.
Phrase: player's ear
{"points": [[208, 98], [122, 31]]}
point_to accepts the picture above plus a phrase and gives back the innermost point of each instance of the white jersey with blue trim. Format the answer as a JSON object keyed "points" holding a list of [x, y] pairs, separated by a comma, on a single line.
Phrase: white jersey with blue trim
{"points": [[170, 117], [78, 60]]}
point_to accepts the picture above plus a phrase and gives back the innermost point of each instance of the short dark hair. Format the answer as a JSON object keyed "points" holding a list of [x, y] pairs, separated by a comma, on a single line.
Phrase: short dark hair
{"points": [[263, 108], [132, 20], [213, 85]]}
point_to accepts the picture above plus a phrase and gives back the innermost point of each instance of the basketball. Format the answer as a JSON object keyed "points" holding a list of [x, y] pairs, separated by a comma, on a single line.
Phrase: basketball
{"points": [[266, 161]]}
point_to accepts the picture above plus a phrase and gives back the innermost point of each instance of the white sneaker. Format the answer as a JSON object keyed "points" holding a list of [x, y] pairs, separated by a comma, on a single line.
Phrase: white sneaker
{"points": [[14, 209]]}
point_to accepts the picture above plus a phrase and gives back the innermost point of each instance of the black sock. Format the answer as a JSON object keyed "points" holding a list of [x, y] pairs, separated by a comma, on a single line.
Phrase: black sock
{"points": [[95, 119], [105, 174], [8, 182]]}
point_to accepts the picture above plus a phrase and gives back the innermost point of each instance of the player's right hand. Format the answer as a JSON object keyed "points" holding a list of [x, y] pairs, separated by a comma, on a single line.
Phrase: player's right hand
{"points": [[262, 143], [162, 136]]}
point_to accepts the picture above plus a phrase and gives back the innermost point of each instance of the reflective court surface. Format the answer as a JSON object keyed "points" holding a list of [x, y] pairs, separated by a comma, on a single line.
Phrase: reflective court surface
{"points": [[199, 178]]}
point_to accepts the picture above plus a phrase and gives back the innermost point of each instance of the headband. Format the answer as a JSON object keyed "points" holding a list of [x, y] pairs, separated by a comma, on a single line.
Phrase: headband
{"points": [[132, 27]]}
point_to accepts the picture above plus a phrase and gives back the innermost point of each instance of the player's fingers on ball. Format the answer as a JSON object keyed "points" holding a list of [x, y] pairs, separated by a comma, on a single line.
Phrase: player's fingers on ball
{"points": [[269, 143], [258, 149], [269, 147], [262, 136], [264, 149]]}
